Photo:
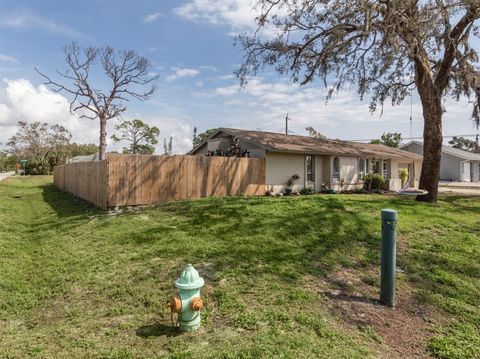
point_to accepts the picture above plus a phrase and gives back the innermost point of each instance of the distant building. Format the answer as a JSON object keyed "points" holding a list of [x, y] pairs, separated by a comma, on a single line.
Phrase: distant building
{"points": [[456, 165], [85, 158]]}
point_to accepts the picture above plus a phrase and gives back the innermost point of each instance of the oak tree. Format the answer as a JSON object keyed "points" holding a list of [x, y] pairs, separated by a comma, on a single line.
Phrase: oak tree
{"points": [[390, 139], [385, 48], [465, 144]]}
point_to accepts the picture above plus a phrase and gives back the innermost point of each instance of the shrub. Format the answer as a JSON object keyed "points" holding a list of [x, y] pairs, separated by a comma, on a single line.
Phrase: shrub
{"points": [[37, 166], [373, 181], [359, 191], [306, 190]]}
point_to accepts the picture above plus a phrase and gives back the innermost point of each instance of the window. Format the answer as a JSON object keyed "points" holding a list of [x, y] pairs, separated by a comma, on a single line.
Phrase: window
{"points": [[361, 168], [385, 169], [336, 169], [310, 168]]}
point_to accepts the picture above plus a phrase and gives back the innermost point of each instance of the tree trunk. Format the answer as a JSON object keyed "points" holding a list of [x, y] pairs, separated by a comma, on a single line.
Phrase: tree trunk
{"points": [[103, 138], [432, 146]]}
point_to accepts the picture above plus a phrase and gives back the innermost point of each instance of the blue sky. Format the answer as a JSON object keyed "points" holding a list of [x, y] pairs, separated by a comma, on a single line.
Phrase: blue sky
{"points": [[191, 48]]}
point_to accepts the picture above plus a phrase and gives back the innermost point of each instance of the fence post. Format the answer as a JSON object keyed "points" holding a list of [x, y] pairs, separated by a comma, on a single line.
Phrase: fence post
{"points": [[388, 258]]}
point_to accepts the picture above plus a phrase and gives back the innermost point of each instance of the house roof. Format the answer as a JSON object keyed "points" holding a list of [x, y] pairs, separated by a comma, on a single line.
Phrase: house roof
{"points": [[277, 142], [464, 155]]}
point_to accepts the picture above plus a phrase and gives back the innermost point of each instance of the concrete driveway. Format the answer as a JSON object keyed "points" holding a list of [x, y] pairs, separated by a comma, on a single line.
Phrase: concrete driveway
{"points": [[469, 188], [4, 175]]}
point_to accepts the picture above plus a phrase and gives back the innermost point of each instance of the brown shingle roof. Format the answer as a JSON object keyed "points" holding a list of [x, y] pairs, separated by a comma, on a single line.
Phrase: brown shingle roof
{"points": [[278, 142]]}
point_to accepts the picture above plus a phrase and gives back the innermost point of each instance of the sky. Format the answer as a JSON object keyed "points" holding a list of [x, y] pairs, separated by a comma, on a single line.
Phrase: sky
{"points": [[190, 45]]}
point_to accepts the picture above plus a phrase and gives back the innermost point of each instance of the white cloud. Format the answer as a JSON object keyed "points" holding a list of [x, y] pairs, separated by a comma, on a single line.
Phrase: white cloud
{"points": [[227, 90], [152, 17], [263, 104], [239, 15], [22, 101], [181, 73], [30, 20], [7, 58], [236, 13], [209, 68]]}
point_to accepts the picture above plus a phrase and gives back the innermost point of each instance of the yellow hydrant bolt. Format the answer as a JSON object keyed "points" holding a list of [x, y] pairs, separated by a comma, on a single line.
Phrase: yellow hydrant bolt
{"points": [[187, 303]]}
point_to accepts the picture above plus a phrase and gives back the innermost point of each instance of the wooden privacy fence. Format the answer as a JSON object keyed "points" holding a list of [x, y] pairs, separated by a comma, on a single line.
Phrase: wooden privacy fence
{"points": [[127, 180]]}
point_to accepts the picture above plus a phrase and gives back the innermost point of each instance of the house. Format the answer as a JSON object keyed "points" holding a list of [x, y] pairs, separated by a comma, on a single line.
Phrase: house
{"points": [[84, 158], [318, 162], [456, 165]]}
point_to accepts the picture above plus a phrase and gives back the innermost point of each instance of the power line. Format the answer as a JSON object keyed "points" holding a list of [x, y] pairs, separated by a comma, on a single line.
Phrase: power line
{"points": [[418, 138]]}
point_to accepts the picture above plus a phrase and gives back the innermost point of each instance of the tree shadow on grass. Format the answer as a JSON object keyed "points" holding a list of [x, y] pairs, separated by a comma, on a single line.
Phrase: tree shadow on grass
{"points": [[65, 204], [157, 330], [288, 241]]}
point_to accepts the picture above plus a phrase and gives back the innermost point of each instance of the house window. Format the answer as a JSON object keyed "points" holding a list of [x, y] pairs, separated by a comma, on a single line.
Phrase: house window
{"points": [[336, 169], [361, 168], [385, 169], [376, 166], [310, 168]]}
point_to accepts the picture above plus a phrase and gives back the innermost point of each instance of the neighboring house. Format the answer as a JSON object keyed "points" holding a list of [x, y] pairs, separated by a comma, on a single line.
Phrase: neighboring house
{"points": [[84, 158], [456, 165], [319, 162]]}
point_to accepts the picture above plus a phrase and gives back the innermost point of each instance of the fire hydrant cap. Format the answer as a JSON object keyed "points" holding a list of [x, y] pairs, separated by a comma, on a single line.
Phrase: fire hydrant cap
{"points": [[189, 279]]}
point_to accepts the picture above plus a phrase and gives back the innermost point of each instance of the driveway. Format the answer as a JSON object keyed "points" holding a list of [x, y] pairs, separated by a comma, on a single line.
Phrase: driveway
{"points": [[4, 175], [469, 188]]}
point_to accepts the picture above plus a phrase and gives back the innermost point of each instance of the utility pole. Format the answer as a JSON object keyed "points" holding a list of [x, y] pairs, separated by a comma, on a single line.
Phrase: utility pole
{"points": [[286, 124]]}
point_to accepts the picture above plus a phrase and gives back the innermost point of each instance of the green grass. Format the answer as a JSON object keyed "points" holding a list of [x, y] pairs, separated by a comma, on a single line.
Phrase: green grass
{"points": [[76, 282]]}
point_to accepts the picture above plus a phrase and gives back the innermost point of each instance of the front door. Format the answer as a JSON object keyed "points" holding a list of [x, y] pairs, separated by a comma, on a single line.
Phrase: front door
{"points": [[465, 171]]}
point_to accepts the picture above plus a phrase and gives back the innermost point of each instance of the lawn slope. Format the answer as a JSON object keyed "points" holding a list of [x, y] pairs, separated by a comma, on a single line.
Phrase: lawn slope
{"points": [[285, 277]]}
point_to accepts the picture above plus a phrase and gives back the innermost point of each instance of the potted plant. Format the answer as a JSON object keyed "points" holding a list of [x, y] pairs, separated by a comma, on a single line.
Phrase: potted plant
{"points": [[289, 185]]}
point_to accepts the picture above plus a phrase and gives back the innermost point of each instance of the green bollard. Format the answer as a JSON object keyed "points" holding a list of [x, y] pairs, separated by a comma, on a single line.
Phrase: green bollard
{"points": [[388, 260]]}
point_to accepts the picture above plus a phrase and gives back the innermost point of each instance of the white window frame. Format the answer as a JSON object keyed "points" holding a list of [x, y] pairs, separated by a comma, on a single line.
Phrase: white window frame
{"points": [[385, 169], [336, 174], [312, 164], [361, 174]]}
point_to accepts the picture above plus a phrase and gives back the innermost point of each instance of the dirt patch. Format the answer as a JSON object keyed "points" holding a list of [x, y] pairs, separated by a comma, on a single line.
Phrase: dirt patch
{"points": [[404, 330]]}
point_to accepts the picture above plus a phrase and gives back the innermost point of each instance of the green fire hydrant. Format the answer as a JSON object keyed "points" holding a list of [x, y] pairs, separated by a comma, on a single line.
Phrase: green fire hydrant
{"points": [[187, 303]]}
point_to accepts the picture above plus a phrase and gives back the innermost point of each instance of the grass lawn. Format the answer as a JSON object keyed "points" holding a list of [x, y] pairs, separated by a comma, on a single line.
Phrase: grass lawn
{"points": [[285, 277]]}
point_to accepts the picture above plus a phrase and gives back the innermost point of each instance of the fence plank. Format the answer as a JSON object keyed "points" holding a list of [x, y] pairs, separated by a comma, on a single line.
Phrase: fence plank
{"points": [[124, 180], [86, 180]]}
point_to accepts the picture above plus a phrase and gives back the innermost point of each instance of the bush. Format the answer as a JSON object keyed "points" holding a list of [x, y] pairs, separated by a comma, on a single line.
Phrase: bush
{"points": [[373, 182], [37, 166], [306, 190], [359, 191]]}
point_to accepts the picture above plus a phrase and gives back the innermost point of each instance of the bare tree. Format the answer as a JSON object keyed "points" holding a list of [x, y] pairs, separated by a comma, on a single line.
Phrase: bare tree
{"points": [[127, 72], [384, 47]]}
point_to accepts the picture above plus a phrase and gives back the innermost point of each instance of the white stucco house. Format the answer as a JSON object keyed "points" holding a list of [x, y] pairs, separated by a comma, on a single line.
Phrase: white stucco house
{"points": [[334, 164], [456, 165]]}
